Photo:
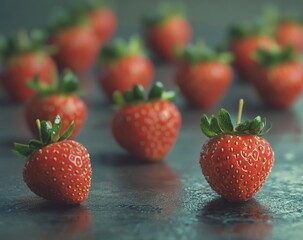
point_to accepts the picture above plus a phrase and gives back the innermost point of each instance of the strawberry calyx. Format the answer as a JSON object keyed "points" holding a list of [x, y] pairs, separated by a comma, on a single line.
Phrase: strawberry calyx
{"points": [[65, 19], [275, 56], [245, 30], [195, 53], [68, 84], [121, 49], [48, 134], [24, 42], [164, 13], [137, 96], [223, 125], [87, 7]]}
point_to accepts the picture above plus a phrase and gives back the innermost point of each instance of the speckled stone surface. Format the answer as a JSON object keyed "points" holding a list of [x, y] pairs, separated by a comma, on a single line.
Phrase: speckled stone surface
{"points": [[166, 200]]}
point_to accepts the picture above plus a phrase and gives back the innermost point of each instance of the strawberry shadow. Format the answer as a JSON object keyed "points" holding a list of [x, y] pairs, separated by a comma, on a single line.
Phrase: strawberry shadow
{"points": [[62, 221], [120, 159], [249, 220]]}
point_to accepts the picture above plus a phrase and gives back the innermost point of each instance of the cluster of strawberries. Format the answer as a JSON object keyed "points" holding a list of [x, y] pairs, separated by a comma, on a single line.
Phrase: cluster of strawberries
{"points": [[235, 161]]}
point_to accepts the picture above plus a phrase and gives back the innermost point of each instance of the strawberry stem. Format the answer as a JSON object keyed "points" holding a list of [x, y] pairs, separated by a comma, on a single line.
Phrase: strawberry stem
{"points": [[240, 110]]}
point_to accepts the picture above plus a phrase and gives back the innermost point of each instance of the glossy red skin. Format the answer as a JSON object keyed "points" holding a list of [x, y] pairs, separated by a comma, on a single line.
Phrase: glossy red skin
{"points": [[243, 50], [124, 73], [290, 33], [164, 37], [279, 86], [147, 130], [70, 108], [104, 23], [77, 48], [203, 84], [24, 68], [60, 172], [236, 167]]}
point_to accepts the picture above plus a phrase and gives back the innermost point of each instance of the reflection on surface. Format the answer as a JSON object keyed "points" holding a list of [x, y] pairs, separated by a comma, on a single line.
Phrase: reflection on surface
{"points": [[249, 220], [154, 186], [64, 222]]}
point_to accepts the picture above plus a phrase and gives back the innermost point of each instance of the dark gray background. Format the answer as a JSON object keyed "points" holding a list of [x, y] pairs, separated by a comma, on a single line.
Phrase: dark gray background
{"points": [[168, 200]]}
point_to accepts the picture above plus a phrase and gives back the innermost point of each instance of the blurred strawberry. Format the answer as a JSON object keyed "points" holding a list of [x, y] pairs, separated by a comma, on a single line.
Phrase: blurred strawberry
{"points": [[244, 41], [167, 29], [101, 16], [278, 77], [203, 75], [290, 32], [76, 41], [59, 99], [25, 56], [123, 65]]}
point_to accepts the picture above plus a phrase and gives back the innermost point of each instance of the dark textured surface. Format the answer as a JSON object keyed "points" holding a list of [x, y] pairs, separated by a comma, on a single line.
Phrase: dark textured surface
{"points": [[166, 200]]}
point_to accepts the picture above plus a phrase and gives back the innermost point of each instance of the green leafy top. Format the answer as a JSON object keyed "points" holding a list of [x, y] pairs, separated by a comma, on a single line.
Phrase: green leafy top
{"points": [[245, 30], [88, 6], [120, 49], [200, 53], [48, 134], [275, 56], [68, 84], [137, 96], [222, 124], [24, 42], [63, 19], [164, 12]]}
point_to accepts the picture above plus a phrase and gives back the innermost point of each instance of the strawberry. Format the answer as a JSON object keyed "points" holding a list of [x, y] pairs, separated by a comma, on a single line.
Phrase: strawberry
{"points": [[76, 41], [59, 99], [167, 29], [278, 77], [123, 65], [146, 128], [244, 41], [290, 32], [235, 161], [203, 75], [56, 169], [25, 56], [101, 17]]}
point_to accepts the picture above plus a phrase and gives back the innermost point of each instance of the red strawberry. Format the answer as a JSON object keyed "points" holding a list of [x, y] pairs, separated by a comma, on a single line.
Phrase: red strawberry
{"points": [[104, 23], [203, 75], [235, 161], [165, 31], [245, 40], [278, 78], [123, 65], [56, 169], [146, 128], [290, 33], [60, 99], [25, 57], [77, 43]]}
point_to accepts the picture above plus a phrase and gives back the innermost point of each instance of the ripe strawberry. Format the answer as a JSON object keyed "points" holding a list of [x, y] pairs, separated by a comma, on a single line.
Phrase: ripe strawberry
{"points": [[146, 128], [203, 75], [166, 30], [24, 56], [123, 65], [278, 77], [244, 41], [290, 32], [101, 17], [56, 169], [235, 161], [59, 99], [77, 43]]}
